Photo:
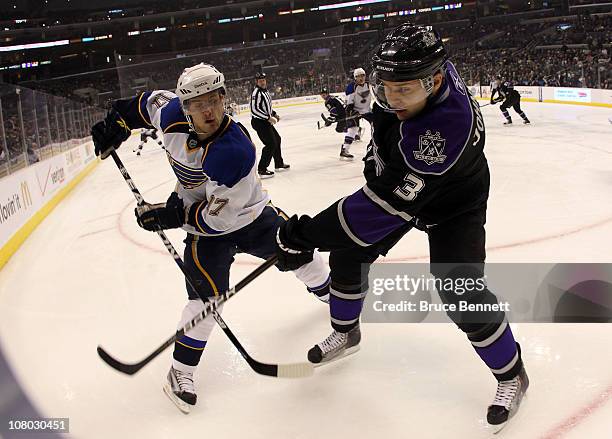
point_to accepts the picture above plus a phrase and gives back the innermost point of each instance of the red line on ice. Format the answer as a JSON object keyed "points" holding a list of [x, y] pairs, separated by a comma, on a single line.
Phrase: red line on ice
{"points": [[575, 419]]}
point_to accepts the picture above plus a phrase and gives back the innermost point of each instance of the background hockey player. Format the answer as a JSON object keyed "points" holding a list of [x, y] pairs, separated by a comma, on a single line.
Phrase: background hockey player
{"points": [[511, 98], [337, 115], [263, 119], [358, 101], [426, 169], [218, 199], [146, 134]]}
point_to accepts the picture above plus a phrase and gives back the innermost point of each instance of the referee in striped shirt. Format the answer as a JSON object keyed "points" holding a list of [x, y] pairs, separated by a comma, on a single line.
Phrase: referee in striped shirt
{"points": [[262, 121]]}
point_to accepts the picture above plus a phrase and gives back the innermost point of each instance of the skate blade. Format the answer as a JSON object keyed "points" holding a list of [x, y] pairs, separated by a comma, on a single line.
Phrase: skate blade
{"points": [[347, 159], [345, 353], [179, 403], [498, 428]]}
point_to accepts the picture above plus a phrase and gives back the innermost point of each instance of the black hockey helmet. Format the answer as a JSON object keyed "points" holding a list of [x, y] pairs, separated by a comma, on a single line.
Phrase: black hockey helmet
{"points": [[260, 75], [324, 91], [409, 52]]}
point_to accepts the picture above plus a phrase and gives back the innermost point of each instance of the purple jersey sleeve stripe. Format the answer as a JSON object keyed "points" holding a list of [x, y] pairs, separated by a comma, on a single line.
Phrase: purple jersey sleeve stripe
{"points": [[367, 220]]}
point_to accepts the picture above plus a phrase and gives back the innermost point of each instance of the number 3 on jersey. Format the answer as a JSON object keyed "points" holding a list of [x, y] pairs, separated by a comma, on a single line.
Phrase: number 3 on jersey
{"points": [[411, 187]]}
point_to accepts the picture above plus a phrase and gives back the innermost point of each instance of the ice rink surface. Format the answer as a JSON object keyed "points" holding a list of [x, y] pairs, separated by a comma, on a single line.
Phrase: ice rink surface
{"points": [[88, 275]]}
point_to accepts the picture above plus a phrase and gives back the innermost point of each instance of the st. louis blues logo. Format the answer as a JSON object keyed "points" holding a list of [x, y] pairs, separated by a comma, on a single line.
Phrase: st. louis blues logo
{"points": [[364, 95], [431, 148]]}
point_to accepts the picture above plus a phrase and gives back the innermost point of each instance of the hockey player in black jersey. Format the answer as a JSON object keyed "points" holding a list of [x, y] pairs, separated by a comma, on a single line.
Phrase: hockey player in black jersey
{"points": [[511, 98], [425, 169], [337, 115]]}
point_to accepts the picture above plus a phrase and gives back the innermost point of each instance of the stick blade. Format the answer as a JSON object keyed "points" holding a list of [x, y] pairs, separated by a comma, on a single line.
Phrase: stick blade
{"points": [[295, 370], [128, 369]]}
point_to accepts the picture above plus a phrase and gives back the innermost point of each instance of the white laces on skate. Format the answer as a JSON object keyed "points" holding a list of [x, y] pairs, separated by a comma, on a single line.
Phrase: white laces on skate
{"points": [[506, 392], [185, 381], [334, 341]]}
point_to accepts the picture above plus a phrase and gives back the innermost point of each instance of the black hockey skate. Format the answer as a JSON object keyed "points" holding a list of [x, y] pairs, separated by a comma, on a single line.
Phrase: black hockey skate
{"points": [[180, 389], [507, 400], [336, 346], [526, 122], [344, 155], [284, 167], [508, 123], [265, 174]]}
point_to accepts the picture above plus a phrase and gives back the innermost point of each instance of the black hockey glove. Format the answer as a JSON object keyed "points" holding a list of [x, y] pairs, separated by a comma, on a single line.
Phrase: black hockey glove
{"points": [[168, 215], [329, 120], [275, 115], [291, 252], [108, 134]]}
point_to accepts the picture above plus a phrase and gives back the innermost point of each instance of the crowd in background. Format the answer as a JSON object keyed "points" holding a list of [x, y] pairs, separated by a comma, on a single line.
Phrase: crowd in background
{"points": [[572, 52]]}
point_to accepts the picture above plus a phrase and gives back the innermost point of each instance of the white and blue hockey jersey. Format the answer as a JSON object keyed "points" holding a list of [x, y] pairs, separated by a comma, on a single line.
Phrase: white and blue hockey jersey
{"points": [[359, 97], [218, 173]]}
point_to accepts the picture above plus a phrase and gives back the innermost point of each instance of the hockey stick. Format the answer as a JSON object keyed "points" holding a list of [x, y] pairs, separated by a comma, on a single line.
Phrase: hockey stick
{"points": [[296, 370], [285, 371]]}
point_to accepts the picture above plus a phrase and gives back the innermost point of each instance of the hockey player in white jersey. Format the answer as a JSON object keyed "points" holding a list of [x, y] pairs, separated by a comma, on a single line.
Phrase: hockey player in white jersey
{"points": [[358, 103], [218, 199], [146, 134]]}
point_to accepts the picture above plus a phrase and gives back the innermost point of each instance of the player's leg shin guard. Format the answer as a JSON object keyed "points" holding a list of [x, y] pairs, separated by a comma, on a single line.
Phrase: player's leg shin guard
{"points": [[315, 276], [344, 150], [189, 348], [345, 303], [507, 116], [495, 345]]}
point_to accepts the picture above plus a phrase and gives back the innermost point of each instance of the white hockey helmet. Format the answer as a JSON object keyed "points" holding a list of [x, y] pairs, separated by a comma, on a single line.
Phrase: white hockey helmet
{"points": [[195, 81], [198, 80], [358, 71]]}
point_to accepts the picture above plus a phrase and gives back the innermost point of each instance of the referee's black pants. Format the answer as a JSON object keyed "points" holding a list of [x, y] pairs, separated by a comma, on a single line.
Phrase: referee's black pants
{"points": [[272, 144]]}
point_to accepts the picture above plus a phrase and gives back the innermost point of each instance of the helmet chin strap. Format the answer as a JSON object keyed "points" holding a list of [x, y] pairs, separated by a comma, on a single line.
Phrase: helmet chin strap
{"points": [[192, 125]]}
